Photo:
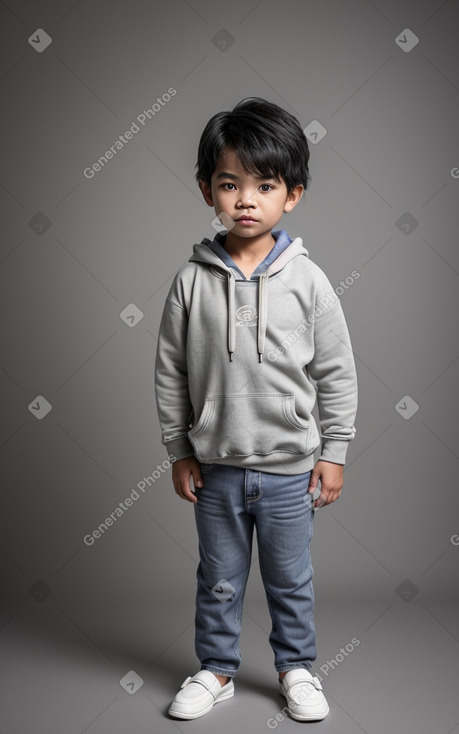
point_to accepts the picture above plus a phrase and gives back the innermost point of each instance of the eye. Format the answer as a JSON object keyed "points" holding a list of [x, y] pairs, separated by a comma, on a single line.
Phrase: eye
{"points": [[268, 185], [227, 184]]}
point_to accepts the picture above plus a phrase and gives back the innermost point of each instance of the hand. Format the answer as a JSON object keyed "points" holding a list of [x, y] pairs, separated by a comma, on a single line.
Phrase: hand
{"points": [[181, 472], [331, 479]]}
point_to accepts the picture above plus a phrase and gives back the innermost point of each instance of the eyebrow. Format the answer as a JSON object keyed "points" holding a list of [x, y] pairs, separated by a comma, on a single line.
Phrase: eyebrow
{"points": [[225, 174]]}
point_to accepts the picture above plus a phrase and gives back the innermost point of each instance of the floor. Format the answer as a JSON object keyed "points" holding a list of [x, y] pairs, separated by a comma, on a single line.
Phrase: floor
{"points": [[397, 672]]}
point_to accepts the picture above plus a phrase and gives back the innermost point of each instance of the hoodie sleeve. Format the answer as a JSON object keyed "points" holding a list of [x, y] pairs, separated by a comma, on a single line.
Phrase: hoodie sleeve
{"points": [[333, 369], [171, 381]]}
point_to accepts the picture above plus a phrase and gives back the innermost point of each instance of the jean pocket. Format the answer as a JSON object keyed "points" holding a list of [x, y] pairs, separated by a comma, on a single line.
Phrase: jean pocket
{"points": [[251, 424]]}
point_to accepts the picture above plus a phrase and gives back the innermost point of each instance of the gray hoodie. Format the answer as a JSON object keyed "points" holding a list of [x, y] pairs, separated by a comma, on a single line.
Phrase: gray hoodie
{"points": [[235, 358]]}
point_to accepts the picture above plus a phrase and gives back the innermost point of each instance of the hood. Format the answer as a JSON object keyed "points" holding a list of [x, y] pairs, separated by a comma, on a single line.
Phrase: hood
{"points": [[203, 254]]}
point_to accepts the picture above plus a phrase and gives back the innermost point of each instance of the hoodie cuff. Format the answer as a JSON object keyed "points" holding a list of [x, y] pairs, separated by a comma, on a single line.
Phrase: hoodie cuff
{"points": [[334, 451], [180, 448]]}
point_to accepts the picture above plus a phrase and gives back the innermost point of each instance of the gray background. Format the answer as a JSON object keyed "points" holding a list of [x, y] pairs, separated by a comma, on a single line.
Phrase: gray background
{"points": [[75, 619]]}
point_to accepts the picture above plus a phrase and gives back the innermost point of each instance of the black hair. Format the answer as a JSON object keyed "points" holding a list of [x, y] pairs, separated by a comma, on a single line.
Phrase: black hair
{"points": [[267, 140]]}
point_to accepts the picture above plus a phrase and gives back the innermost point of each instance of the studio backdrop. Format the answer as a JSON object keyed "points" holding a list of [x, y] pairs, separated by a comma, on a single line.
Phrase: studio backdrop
{"points": [[103, 104]]}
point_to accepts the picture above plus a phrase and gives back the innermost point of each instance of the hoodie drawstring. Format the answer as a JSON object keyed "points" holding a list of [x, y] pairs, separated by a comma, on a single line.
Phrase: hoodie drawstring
{"points": [[231, 314], [262, 314]]}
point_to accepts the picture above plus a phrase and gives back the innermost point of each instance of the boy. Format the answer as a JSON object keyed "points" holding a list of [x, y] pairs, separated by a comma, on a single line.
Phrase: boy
{"points": [[246, 323]]}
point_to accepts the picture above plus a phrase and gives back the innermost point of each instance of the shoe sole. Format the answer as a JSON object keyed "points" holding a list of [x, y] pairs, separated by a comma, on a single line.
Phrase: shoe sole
{"points": [[312, 717], [196, 715]]}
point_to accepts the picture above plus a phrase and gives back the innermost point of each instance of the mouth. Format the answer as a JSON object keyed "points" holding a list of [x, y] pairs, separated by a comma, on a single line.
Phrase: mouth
{"points": [[245, 219]]}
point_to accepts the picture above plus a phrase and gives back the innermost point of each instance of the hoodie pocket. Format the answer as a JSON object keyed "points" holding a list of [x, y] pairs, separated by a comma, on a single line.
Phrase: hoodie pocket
{"points": [[251, 423]]}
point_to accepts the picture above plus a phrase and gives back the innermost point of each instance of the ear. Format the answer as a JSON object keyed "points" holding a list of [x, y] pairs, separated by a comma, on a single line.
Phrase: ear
{"points": [[206, 192], [293, 198]]}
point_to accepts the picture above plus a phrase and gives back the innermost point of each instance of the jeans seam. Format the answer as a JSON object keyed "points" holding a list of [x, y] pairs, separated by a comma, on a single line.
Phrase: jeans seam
{"points": [[238, 617], [219, 671], [292, 666], [267, 593]]}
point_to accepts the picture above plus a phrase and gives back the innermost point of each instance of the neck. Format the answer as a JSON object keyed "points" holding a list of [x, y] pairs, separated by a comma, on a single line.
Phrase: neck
{"points": [[249, 248]]}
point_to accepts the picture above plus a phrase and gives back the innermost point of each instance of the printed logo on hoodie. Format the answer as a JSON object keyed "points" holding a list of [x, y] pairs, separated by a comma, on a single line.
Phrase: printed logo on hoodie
{"points": [[246, 316]]}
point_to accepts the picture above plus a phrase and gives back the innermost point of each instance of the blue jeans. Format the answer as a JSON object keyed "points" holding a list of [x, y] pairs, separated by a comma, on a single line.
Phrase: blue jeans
{"points": [[229, 504]]}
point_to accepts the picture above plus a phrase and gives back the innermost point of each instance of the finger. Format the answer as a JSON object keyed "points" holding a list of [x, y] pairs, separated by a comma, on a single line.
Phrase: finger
{"points": [[197, 478], [186, 493], [321, 499], [332, 497], [189, 496]]}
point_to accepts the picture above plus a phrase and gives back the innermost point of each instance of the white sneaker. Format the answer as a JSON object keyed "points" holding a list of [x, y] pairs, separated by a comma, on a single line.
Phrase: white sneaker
{"points": [[305, 699], [198, 694]]}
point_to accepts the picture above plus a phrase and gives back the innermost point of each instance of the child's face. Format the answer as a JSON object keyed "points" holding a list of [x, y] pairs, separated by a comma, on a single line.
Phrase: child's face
{"points": [[236, 193]]}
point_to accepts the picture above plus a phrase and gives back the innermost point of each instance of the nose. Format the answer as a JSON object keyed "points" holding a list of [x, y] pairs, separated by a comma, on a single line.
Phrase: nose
{"points": [[246, 199]]}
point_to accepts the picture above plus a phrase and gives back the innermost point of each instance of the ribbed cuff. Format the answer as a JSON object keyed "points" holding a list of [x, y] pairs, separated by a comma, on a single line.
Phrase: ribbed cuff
{"points": [[334, 451], [180, 448]]}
